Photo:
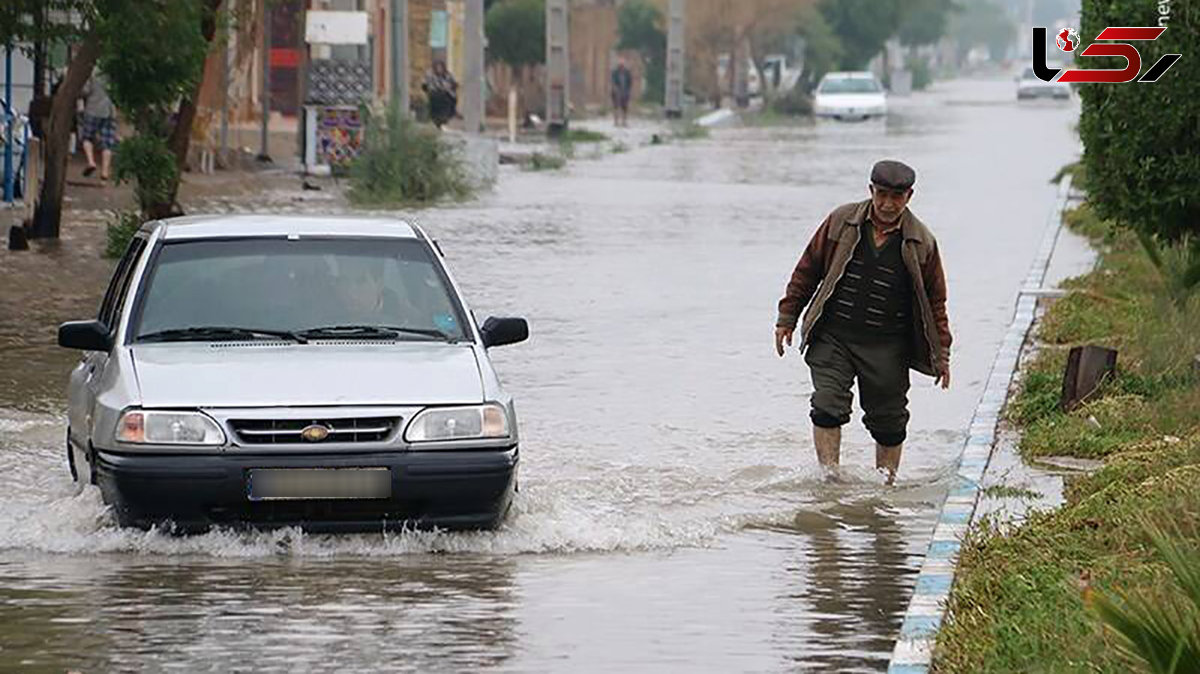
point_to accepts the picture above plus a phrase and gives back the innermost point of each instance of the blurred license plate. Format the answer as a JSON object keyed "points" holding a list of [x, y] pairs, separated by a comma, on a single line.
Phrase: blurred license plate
{"points": [[264, 484]]}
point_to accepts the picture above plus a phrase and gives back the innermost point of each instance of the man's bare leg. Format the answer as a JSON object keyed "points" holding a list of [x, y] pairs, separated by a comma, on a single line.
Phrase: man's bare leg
{"points": [[887, 460], [90, 154], [828, 442], [105, 163]]}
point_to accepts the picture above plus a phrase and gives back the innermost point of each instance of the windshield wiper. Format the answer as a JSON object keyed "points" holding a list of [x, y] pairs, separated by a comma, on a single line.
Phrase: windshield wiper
{"points": [[370, 332], [218, 333]]}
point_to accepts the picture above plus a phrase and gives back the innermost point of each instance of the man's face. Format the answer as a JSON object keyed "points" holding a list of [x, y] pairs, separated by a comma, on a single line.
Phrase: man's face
{"points": [[888, 203], [362, 289]]}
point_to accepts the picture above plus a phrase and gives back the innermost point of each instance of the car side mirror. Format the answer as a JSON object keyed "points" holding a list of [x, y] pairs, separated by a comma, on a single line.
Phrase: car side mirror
{"points": [[85, 335], [502, 331]]}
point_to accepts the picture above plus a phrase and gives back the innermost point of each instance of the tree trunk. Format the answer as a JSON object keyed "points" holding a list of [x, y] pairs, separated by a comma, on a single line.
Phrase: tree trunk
{"points": [[181, 135], [48, 217]]}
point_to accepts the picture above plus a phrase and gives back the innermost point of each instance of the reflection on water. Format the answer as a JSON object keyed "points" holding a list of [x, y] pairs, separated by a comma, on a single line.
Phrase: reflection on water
{"points": [[671, 516], [94, 614]]}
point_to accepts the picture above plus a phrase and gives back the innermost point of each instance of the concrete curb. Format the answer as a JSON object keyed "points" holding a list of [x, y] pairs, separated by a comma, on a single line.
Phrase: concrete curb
{"points": [[913, 652]]}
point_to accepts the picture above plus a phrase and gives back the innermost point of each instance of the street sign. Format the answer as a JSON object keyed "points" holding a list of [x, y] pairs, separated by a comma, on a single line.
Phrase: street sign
{"points": [[329, 27]]}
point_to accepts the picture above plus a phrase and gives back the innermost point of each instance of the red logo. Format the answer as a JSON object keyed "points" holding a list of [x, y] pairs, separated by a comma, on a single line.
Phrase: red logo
{"points": [[1067, 40]]}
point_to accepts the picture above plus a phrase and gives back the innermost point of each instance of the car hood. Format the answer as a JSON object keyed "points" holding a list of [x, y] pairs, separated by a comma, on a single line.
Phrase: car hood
{"points": [[842, 101], [196, 374]]}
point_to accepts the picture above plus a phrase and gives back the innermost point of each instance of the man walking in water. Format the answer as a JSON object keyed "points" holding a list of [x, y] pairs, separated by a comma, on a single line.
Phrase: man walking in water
{"points": [[874, 276], [622, 89]]}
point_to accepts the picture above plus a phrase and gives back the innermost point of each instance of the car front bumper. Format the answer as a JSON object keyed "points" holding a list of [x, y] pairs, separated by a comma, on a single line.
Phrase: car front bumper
{"points": [[188, 493]]}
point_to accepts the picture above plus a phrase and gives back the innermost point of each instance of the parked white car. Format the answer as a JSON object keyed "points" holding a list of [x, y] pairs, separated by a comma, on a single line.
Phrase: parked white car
{"points": [[1029, 86], [850, 95]]}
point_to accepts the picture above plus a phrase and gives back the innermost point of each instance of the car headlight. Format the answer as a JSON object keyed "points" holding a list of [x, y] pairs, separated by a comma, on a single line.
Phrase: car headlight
{"points": [[146, 427], [477, 422]]}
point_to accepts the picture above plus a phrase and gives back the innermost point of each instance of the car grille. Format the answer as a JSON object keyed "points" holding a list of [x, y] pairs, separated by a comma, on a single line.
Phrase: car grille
{"points": [[290, 431]]}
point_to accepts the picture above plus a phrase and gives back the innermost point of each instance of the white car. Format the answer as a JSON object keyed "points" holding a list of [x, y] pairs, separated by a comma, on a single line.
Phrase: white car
{"points": [[1029, 86], [850, 95], [268, 371]]}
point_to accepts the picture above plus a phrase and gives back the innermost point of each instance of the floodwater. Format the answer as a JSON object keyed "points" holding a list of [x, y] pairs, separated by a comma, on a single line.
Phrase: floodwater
{"points": [[671, 516]]}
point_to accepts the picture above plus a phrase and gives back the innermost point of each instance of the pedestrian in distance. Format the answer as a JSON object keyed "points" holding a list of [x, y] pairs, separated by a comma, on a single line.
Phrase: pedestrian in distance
{"points": [[99, 128], [622, 89], [875, 290], [442, 90]]}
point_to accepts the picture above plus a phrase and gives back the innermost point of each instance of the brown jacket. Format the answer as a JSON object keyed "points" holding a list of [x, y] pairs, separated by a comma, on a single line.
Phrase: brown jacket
{"points": [[824, 261]]}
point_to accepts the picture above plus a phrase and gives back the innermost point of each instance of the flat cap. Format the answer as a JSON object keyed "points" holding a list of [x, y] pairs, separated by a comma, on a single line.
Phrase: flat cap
{"points": [[893, 175]]}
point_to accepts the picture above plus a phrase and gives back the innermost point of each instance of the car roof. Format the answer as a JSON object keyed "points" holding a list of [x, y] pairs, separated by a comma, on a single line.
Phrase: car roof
{"points": [[224, 226]]}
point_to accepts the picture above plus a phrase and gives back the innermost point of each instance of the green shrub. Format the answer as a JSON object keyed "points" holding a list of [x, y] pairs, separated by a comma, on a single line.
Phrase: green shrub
{"points": [[1140, 140], [546, 162], [794, 102], [402, 162], [119, 230], [689, 131], [1160, 633], [922, 74], [582, 136], [146, 159]]}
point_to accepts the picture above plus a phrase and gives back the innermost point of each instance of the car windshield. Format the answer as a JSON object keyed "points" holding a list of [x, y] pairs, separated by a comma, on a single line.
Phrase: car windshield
{"points": [[211, 289], [1028, 74], [849, 85]]}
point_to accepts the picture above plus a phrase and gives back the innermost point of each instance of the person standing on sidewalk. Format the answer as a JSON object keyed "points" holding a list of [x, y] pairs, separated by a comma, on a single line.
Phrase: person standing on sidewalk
{"points": [[99, 125], [442, 90], [874, 276], [622, 89]]}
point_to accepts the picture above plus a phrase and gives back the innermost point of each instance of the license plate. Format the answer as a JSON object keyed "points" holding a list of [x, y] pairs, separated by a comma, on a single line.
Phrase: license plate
{"points": [[267, 484]]}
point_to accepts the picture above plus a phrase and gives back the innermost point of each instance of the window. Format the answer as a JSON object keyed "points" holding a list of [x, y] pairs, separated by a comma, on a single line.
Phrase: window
{"points": [[277, 284], [118, 287], [850, 85]]}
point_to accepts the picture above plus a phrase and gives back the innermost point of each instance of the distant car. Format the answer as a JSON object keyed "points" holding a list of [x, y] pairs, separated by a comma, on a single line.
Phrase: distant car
{"points": [[850, 95], [1030, 86], [319, 372]]}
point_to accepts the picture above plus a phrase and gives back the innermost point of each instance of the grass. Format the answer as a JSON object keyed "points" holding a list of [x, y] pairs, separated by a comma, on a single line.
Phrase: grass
{"points": [[689, 131], [582, 136], [1021, 599], [545, 162], [1025, 597], [1124, 305], [1007, 491]]}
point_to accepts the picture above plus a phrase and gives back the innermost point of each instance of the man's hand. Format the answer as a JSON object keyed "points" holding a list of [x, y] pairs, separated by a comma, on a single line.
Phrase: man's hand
{"points": [[943, 378], [781, 335]]}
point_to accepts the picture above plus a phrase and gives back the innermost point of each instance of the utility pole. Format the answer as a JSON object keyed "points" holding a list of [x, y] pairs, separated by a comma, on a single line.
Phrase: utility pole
{"points": [[473, 40], [675, 60], [558, 65], [226, 46], [9, 115], [264, 154], [400, 55]]}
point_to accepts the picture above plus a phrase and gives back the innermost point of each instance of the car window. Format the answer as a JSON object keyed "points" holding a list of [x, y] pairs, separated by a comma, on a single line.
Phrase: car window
{"points": [[118, 286], [850, 85], [1028, 74], [276, 284]]}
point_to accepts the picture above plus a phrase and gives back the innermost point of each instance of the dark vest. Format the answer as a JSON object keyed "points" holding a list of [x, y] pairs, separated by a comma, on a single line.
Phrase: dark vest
{"points": [[874, 296]]}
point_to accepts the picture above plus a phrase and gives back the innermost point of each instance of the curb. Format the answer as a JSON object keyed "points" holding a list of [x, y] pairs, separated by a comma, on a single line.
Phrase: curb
{"points": [[913, 652]]}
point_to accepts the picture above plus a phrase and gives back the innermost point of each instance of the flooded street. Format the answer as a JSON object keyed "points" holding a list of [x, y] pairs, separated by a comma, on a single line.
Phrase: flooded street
{"points": [[671, 516]]}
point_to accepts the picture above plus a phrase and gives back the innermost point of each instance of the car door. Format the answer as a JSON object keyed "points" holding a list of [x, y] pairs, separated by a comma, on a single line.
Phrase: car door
{"points": [[86, 378]]}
